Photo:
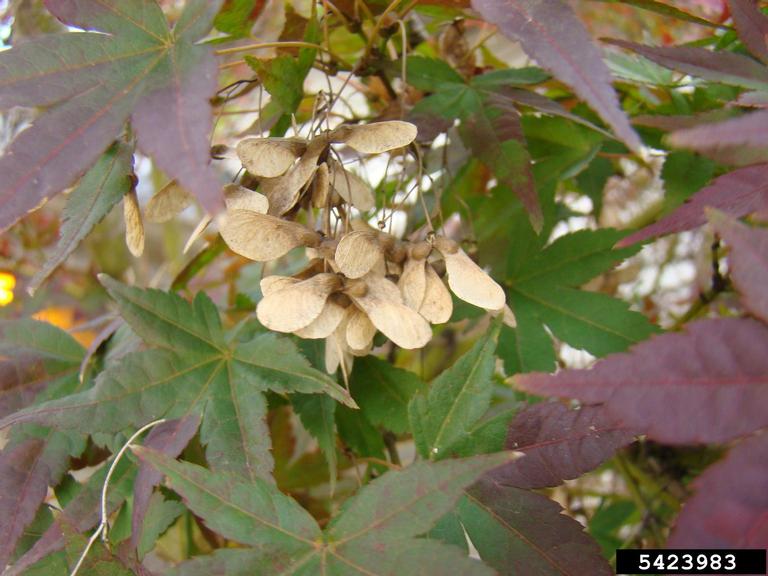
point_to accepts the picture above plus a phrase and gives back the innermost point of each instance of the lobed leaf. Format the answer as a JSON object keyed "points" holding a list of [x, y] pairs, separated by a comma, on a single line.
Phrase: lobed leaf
{"points": [[139, 68], [167, 320], [383, 392], [552, 34], [521, 532], [456, 399], [707, 384], [725, 67], [316, 413], [737, 193], [543, 292], [371, 534], [24, 478], [559, 444], [730, 505], [748, 261], [406, 503], [252, 512], [92, 199], [169, 438], [751, 25]]}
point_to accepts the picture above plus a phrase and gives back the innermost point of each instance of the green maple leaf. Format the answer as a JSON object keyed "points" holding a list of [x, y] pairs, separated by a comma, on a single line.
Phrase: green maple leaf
{"points": [[195, 368], [544, 292], [383, 392], [134, 67], [375, 532], [457, 399], [103, 186]]}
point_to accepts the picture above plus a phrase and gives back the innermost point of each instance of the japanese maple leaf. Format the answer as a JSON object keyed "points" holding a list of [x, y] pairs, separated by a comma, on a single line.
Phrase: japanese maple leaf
{"points": [[134, 67]]}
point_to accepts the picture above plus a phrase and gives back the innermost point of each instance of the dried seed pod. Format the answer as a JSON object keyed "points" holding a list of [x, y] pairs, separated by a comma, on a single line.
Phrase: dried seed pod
{"points": [[336, 349], [321, 186], [134, 227], [377, 137], [467, 280], [197, 232], [351, 187], [437, 305], [384, 307], [508, 317], [284, 191], [336, 352], [358, 252], [168, 202], [275, 283], [325, 324], [269, 157], [413, 282], [239, 197], [296, 306], [360, 330], [393, 268], [261, 237], [420, 250]]}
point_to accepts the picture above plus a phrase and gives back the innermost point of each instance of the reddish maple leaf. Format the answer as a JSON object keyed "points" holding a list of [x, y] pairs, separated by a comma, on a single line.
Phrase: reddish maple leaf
{"points": [[135, 67]]}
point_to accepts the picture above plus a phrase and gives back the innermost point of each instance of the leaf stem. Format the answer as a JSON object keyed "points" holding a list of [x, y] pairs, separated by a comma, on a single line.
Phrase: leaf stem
{"points": [[390, 441], [640, 499], [283, 44], [104, 523]]}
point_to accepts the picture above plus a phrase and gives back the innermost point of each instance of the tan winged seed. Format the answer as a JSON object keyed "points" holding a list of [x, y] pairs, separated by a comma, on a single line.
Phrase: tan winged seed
{"points": [[261, 237], [269, 157], [167, 203], [134, 227]]}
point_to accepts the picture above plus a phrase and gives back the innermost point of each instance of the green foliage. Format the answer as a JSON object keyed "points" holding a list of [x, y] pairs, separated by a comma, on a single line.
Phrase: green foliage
{"points": [[544, 292], [374, 531], [456, 400], [293, 453], [98, 191], [383, 392]]}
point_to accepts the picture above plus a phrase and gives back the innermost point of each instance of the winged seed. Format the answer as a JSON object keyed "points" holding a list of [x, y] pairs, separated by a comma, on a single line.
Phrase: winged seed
{"points": [[413, 282], [269, 157], [467, 280], [358, 252], [384, 306], [377, 137], [351, 187], [134, 228], [297, 306], [168, 202], [261, 237], [360, 330], [239, 197], [437, 305], [325, 324]]}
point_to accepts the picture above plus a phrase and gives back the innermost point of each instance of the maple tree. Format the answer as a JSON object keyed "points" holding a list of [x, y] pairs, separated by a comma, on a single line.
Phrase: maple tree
{"points": [[380, 292]]}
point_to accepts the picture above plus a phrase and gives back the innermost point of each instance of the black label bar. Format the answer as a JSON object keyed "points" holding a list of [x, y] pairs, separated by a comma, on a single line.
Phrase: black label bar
{"points": [[668, 561]]}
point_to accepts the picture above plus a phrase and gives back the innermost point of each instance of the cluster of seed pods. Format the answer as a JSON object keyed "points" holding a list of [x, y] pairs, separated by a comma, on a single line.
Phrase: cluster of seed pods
{"points": [[359, 280]]}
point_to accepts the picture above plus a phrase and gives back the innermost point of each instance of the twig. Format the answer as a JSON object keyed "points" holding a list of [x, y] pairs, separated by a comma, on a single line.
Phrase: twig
{"points": [[103, 527]]}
